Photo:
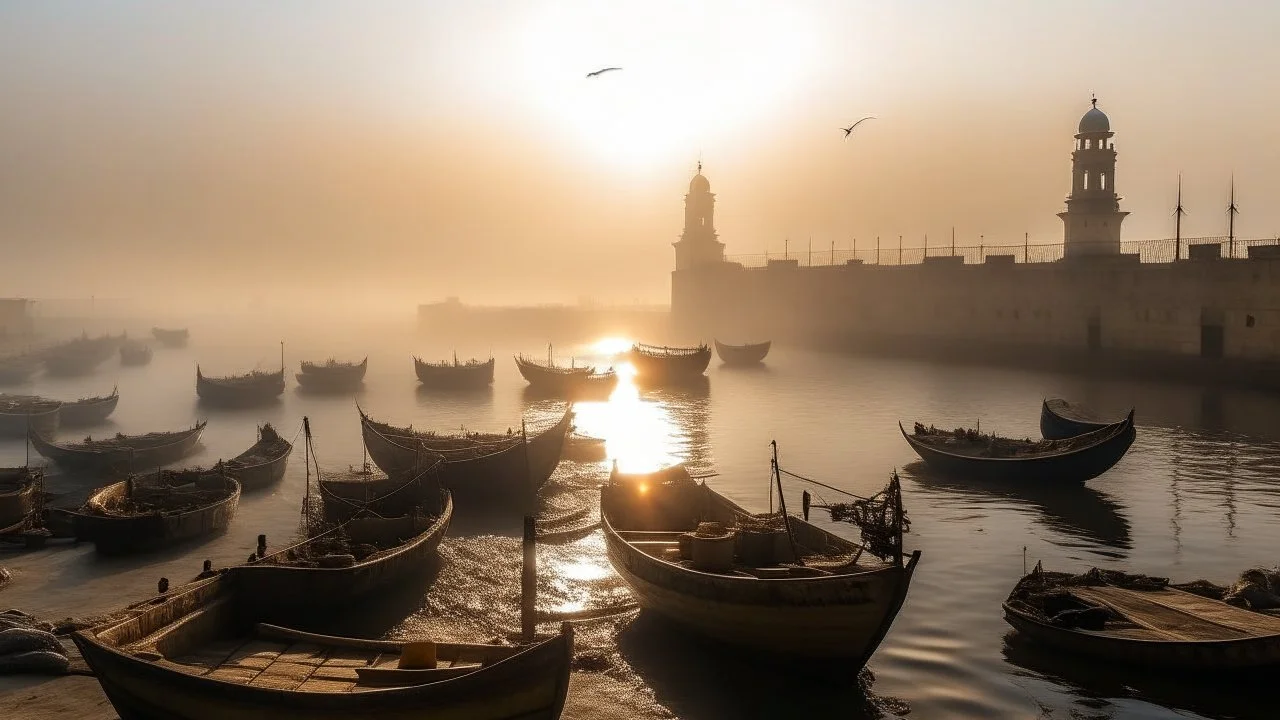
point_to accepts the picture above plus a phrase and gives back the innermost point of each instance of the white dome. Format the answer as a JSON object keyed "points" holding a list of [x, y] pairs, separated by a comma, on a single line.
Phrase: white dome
{"points": [[1095, 121]]}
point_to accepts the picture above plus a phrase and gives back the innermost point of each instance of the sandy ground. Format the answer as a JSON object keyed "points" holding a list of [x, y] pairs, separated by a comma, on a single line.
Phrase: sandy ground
{"points": [[591, 697]]}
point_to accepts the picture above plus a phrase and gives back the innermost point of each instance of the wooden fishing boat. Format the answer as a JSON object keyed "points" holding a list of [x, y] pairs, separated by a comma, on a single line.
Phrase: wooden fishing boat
{"points": [[18, 489], [744, 581], [665, 364], [251, 388], [145, 512], [1060, 419], [1140, 621], [134, 352], [17, 369], [262, 464], [332, 375], [353, 560], [88, 411], [122, 452], [454, 375], [22, 413], [749, 354], [968, 453], [205, 651], [573, 382], [81, 355], [482, 470], [171, 338]]}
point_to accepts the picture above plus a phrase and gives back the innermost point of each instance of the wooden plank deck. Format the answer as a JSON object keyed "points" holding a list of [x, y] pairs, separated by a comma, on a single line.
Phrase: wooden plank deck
{"points": [[284, 665], [1182, 616]]}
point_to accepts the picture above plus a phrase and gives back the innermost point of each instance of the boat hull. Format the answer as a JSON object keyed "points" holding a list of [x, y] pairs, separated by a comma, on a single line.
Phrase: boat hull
{"points": [[1180, 655], [311, 589], [657, 368], [332, 378], [742, 354], [507, 477], [530, 685], [116, 535], [839, 617], [45, 422], [84, 414], [220, 392], [1078, 465], [459, 377], [568, 384], [1055, 424], [175, 447], [261, 475]]}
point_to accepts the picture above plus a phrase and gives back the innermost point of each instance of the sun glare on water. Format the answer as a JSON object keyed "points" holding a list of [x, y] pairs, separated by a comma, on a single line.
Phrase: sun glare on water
{"points": [[611, 345]]}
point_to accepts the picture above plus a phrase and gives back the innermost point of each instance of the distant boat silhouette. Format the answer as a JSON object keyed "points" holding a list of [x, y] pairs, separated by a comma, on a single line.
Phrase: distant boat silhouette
{"points": [[849, 130], [601, 71]]}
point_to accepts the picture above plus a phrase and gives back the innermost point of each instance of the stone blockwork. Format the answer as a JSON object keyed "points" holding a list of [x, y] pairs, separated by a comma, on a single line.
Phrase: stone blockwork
{"points": [[1101, 304]]}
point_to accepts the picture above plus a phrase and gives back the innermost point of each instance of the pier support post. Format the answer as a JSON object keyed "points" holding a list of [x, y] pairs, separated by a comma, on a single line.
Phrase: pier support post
{"points": [[529, 582]]}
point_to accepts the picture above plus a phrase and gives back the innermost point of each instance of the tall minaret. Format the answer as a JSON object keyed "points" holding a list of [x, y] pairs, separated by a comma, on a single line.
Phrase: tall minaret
{"points": [[698, 244], [1093, 216]]}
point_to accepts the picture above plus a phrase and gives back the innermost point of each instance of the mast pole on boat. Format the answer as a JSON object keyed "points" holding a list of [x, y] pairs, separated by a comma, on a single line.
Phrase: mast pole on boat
{"points": [[782, 503], [897, 520]]}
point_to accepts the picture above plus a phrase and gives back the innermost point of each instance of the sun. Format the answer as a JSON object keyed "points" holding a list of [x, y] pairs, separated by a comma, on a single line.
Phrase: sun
{"points": [[691, 73]]}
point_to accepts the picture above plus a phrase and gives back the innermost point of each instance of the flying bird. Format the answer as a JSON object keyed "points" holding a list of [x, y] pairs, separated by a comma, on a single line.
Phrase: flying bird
{"points": [[601, 71], [849, 130]]}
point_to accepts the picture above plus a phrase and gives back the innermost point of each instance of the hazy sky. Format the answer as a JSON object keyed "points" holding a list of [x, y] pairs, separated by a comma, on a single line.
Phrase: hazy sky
{"points": [[382, 151]]}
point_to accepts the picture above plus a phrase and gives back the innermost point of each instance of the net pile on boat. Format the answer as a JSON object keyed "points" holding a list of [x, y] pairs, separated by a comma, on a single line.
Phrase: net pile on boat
{"points": [[251, 378], [334, 551], [121, 441], [170, 496], [974, 443], [268, 447]]}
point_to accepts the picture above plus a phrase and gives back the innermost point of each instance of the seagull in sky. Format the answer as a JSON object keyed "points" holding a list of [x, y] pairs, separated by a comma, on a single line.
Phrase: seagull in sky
{"points": [[849, 130], [602, 71]]}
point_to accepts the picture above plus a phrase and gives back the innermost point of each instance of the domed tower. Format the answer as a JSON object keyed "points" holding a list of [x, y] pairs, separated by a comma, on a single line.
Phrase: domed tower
{"points": [[1093, 216], [698, 244]]}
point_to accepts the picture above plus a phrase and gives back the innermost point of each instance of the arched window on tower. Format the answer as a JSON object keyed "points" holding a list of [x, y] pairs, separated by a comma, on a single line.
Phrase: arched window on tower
{"points": [[1086, 180], [1088, 144], [1102, 181]]}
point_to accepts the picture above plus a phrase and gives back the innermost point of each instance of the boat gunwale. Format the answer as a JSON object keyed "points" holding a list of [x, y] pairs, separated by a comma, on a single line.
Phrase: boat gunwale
{"points": [[437, 530], [71, 451], [370, 424], [1106, 434], [1103, 636], [612, 534]]}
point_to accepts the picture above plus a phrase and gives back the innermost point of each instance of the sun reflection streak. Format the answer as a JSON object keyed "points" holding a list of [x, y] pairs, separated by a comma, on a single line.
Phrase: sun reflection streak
{"points": [[640, 435]]}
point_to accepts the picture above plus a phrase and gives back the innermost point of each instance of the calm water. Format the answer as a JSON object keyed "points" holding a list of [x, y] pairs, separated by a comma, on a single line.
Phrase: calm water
{"points": [[1194, 498]]}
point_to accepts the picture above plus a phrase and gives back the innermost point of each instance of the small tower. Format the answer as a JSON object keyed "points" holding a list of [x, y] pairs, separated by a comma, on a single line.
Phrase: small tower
{"points": [[1093, 216], [698, 245]]}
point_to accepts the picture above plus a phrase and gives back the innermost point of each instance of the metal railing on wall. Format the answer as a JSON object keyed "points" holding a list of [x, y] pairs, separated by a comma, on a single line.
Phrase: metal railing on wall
{"points": [[1147, 251]]}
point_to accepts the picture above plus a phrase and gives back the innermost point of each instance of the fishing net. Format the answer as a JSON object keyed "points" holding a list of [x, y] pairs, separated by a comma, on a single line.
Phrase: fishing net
{"points": [[877, 517]]}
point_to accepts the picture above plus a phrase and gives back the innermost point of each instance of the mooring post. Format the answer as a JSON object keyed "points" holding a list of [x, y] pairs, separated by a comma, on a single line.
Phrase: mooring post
{"points": [[529, 582]]}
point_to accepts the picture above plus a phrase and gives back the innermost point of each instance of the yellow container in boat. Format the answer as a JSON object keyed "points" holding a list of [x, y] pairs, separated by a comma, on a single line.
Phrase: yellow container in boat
{"points": [[418, 656], [713, 554]]}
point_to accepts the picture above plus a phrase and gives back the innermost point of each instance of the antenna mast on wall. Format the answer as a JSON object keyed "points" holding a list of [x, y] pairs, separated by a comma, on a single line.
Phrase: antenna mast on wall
{"points": [[1178, 212], [1232, 211]]}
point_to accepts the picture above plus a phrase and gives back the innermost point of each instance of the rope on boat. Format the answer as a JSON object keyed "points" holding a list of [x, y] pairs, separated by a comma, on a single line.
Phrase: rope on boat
{"points": [[788, 473]]}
